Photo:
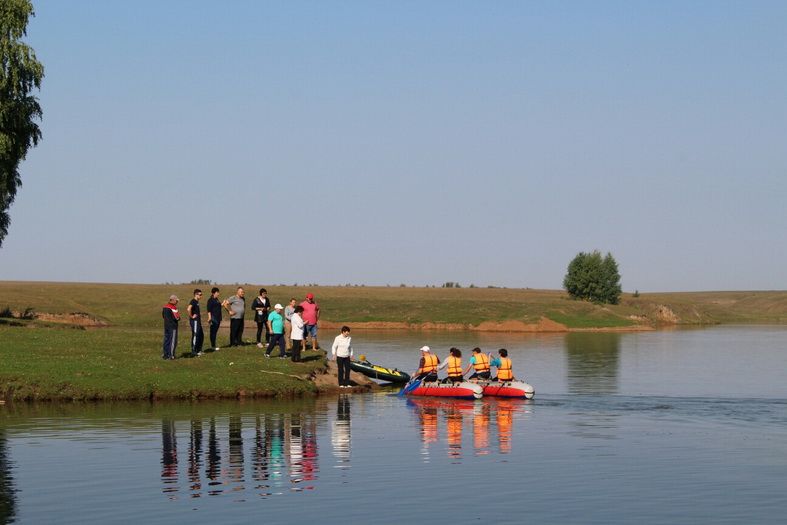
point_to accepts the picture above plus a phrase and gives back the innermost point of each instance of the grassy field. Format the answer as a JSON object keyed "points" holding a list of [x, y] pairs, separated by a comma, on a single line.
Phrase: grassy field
{"points": [[139, 306], [44, 359]]}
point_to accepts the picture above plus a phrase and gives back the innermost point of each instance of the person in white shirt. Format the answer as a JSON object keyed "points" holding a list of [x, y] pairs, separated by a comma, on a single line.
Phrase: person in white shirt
{"points": [[297, 332], [341, 352]]}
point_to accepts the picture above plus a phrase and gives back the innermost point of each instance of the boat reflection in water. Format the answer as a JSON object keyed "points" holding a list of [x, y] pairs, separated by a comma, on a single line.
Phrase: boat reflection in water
{"points": [[281, 450], [454, 414]]}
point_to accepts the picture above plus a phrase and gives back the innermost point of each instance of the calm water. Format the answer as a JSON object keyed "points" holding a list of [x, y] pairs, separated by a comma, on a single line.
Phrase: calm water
{"points": [[685, 426]]}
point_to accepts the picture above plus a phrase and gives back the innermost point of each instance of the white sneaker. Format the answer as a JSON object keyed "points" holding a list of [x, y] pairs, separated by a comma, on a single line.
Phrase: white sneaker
{"points": [[259, 345]]}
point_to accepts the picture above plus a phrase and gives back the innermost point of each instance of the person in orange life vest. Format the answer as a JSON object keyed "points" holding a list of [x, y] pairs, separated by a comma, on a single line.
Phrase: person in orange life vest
{"points": [[453, 364], [480, 362], [505, 371], [171, 318], [427, 367]]}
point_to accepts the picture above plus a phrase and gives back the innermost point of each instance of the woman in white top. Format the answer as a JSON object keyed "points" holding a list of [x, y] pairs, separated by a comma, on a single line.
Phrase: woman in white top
{"points": [[297, 333], [342, 351]]}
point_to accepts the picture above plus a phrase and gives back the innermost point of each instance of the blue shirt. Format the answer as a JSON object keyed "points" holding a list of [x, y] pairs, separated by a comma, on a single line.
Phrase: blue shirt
{"points": [[277, 322]]}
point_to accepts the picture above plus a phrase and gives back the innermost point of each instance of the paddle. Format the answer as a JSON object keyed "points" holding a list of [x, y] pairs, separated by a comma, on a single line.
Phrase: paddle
{"points": [[410, 386]]}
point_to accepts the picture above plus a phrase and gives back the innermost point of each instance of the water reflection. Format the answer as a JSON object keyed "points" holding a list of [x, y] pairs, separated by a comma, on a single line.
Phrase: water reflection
{"points": [[7, 490], [455, 412], [282, 451], [593, 362], [341, 438], [169, 458]]}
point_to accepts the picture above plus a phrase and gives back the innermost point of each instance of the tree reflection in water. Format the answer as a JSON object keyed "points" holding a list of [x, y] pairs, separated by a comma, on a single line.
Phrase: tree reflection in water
{"points": [[593, 362]]}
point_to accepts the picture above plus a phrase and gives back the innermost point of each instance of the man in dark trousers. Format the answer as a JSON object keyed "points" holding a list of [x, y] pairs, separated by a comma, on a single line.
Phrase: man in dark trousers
{"points": [[171, 318], [214, 316], [195, 322], [236, 306]]}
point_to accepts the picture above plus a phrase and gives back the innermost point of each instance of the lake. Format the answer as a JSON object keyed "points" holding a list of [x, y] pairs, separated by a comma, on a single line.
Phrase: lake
{"points": [[680, 426]]}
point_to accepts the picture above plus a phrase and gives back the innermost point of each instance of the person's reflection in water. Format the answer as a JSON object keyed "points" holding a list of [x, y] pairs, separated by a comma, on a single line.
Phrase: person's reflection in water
{"points": [[276, 451], [481, 428], [295, 451], [310, 465], [213, 464], [340, 435], [505, 422], [259, 455], [7, 490], [169, 458], [236, 452], [593, 362], [195, 458], [453, 430], [427, 419]]}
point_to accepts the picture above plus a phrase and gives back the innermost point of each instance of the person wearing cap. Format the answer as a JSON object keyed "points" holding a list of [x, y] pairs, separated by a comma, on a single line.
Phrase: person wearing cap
{"points": [[171, 318], [427, 367], [311, 314], [276, 329]]}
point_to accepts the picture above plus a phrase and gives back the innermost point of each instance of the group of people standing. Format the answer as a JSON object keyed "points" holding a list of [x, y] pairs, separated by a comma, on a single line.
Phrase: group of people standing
{"points": [[481, 364], [286, 327]]}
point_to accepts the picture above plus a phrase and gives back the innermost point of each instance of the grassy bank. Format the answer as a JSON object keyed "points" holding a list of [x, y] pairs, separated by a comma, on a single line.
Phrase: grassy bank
{"points": [[138, 306], [57, 358], [61, 363]]}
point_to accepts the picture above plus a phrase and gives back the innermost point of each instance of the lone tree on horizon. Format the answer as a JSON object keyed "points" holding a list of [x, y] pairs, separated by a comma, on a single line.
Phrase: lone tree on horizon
{"points": [[592, 277], [20, 73]]}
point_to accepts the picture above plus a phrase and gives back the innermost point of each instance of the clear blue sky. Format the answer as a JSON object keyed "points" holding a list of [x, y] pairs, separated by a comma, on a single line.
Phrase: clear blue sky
{"points": [[407, 142]]}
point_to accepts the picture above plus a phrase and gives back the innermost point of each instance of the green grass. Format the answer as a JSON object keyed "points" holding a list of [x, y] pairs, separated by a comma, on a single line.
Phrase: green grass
{"points": [[45, 360], [58, 363]]}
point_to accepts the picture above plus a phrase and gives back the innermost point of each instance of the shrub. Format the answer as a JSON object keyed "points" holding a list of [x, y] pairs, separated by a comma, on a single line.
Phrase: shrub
{"points": [[593, 278]]}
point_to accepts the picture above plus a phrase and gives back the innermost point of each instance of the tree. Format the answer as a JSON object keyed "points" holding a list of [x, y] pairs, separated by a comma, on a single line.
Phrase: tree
{"points": [[593, 278], [20, 73]]}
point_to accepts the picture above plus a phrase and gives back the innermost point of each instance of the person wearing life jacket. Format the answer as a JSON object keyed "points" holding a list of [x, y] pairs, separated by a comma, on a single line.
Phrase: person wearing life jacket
{"points": [[505, 371], [480, 362], [453, 366], [427, 367]]}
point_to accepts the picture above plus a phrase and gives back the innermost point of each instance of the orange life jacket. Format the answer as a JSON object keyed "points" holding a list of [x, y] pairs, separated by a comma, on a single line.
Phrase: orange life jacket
{"points": [[454, 366], [504, 372], [430, 364], [481, 362]]}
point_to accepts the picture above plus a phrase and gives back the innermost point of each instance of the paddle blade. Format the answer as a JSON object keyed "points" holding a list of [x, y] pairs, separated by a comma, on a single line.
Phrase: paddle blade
{"points": [[409, 387]]}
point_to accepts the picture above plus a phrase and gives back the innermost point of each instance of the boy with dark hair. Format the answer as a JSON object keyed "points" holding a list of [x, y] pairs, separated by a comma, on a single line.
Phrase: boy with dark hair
{"points": [[214, 316], [342, 352], [261, 306], [195, 322]]}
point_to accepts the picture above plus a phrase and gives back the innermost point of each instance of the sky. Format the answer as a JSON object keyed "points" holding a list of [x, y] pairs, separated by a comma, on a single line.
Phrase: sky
{"points": [[407, 142]]}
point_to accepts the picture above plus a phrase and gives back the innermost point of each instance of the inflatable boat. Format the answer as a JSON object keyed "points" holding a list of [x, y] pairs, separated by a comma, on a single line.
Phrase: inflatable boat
{"points": [[518, 389], [463, 390], [392, 375]]}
